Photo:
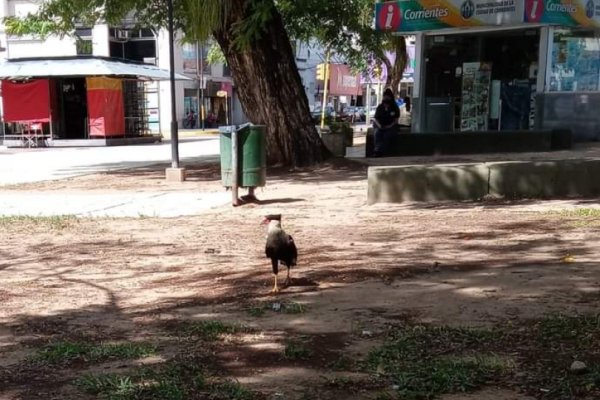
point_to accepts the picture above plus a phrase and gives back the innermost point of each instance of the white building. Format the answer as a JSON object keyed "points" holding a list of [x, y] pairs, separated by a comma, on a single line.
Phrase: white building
{"points": [[143, 45]]}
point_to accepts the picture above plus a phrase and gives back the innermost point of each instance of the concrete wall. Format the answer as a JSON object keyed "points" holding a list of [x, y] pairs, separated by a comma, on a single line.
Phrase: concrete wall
{"points": [[514, 180]]}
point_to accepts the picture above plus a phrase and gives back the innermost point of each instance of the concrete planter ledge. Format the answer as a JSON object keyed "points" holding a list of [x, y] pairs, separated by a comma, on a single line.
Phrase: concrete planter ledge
{"points": [[511, 179]]}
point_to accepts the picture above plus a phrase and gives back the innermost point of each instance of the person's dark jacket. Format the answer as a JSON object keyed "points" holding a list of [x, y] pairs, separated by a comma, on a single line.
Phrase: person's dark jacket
{"points": [[389, 116]]}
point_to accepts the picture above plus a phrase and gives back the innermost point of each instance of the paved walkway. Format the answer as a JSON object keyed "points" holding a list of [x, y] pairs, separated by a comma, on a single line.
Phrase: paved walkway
{"points": [[116, 205], [27, 166]]}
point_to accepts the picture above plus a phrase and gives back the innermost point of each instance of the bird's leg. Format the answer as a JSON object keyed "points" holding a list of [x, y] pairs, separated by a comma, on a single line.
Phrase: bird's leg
{"points": [[275, 287], [288, 280]]}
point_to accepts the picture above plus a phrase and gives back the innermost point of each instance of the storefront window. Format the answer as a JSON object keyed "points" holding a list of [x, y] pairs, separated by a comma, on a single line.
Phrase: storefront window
{"points": [[190, 58], [575, 61]]}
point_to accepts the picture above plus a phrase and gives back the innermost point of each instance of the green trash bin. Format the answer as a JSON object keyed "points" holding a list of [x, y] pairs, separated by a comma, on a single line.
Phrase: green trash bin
{"points": [[252, 156]]}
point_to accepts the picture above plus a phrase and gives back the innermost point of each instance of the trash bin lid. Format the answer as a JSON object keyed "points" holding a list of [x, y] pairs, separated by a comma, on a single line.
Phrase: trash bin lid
{"points": [[227, 129], [246, 125]]}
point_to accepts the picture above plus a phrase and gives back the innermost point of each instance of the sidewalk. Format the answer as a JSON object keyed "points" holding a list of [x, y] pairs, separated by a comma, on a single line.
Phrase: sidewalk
{"points": [[18, 166], [115, 205]]}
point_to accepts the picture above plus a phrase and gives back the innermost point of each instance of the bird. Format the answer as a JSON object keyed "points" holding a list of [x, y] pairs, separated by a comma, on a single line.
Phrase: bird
{"points": [[280, 247]]}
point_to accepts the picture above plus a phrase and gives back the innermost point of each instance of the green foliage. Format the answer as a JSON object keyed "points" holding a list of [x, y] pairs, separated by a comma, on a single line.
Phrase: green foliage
{"points": [[197, 19], [251, 29], [344, 128], [202, 18], [215, 55], [346, 27], [61, 352]]}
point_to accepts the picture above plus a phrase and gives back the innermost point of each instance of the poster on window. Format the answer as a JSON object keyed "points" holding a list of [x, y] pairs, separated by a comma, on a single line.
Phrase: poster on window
{"points": [[475, 96]]}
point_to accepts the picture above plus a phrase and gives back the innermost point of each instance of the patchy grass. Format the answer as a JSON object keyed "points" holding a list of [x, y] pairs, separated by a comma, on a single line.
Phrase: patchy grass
{"points": [[168, 382], [55, 223], [575, 329], [343, 363], [63, 352], [548, 348], [111, 385], [581, 213], [296, 350], [424, 362], [231, 390], [208, 330], [580, 217], [258, 310], [291, 307]]}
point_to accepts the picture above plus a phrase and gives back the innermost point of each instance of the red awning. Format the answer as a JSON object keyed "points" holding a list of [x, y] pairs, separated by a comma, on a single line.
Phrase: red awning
{"points": [[26, 101]]}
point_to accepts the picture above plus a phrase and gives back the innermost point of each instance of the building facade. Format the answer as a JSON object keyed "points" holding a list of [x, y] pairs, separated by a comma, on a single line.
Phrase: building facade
{"points": [[142, 45], [308, 57]]}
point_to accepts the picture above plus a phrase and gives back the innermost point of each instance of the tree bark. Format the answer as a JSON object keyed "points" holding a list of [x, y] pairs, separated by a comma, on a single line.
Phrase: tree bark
{"points": [[270, 88], [397, 70]]}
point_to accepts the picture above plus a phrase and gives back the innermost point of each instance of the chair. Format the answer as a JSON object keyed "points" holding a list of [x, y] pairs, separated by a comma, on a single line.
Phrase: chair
{"points": [[32, 132]]}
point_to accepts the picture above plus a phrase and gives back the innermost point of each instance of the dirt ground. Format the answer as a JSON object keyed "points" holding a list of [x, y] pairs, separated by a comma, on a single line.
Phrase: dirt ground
{"points": [[362, 271]]}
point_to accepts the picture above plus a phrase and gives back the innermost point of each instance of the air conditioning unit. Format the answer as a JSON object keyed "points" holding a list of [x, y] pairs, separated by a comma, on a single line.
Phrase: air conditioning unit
{"points": [[123, 34]]}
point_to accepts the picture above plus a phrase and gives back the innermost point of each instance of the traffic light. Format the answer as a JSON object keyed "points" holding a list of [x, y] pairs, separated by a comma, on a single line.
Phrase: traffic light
{"points": [[377, 71], [321, 72]]}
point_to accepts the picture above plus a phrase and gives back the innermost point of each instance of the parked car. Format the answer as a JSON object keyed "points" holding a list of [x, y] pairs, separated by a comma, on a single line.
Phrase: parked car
{"points": [[330, 113], [356, 114]]}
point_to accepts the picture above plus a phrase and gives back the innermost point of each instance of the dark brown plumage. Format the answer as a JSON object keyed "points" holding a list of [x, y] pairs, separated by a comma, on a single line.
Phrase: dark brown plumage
{"points": [[280, 247]]}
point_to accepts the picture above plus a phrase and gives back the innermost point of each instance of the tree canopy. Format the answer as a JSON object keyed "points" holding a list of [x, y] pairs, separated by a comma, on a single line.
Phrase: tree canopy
{"points": [[344, 26]]}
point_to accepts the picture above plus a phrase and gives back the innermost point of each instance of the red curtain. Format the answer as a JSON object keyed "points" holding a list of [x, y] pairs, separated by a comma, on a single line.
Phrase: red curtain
{"points": [[105, 107], [27, 101]]}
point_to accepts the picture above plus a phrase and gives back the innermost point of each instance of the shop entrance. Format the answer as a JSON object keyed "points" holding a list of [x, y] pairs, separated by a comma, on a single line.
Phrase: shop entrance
{"points": [[482, 81], [73, 123]]}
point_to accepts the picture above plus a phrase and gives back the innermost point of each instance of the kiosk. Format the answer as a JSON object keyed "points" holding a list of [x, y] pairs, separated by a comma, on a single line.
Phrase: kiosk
{"points": [[502, 65]]}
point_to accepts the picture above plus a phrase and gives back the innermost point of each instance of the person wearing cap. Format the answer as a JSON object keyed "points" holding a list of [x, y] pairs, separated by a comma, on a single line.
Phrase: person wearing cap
{"points": [[386, 121]]}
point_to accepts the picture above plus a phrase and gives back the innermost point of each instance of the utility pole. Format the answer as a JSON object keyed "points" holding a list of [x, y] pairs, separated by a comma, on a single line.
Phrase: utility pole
{"points": [[202, 84], [325, 87], [200, 77], [175, 173]]}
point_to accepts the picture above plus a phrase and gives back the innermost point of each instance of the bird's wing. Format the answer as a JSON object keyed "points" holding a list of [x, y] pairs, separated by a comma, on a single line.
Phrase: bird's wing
{"points": [[292, 247], [271, 246]]}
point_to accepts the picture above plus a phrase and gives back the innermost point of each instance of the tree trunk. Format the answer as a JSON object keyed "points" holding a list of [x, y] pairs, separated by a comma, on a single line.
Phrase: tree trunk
{"points": [[395, 76], [270, 88]]}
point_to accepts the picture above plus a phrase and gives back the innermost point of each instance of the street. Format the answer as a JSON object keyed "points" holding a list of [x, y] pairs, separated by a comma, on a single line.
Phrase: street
{"points": [[19, 166]]}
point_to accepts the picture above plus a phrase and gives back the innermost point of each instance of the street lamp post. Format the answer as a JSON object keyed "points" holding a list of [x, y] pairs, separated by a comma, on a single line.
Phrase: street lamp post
{"points": [[175, 173], [174, 128], [200, 77]]}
